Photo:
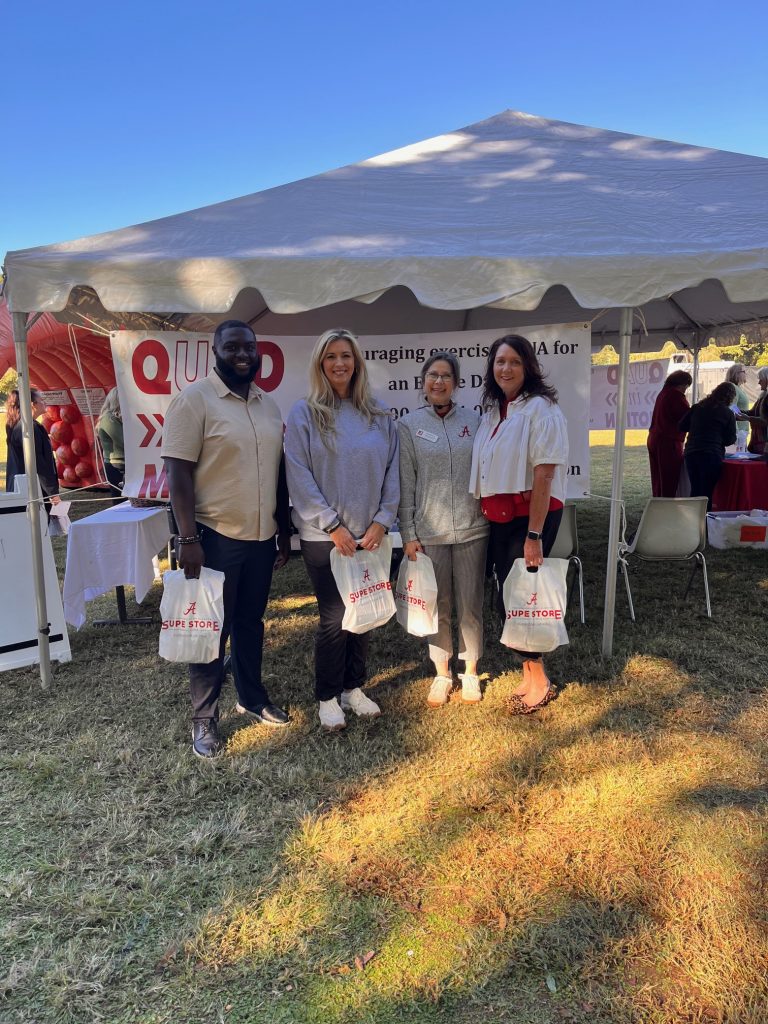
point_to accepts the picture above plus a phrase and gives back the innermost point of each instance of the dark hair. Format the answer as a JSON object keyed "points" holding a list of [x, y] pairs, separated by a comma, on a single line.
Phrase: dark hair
{"points": [[12, 412], [226, 324], [724, 394], [13, 409], [447, 357], [533, 381], [674, 380]]}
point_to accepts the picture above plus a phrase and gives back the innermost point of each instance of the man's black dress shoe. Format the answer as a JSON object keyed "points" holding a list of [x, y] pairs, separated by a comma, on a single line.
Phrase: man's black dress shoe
{"points": [[268, 714], [205, 738]]}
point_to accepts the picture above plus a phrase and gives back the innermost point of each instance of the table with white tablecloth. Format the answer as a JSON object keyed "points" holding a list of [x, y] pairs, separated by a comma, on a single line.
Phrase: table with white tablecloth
{"points": [[109, 549]]}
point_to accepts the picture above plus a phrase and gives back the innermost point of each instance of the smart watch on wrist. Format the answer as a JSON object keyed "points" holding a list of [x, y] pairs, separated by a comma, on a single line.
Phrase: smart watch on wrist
{"points": [[532, 535]]}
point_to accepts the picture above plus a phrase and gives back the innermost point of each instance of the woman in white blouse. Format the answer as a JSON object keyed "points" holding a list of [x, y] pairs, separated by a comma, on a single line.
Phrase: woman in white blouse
{"points": [[519, 473]]}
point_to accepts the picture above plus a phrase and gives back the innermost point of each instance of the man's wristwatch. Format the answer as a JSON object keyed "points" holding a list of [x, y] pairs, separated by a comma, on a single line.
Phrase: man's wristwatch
{"points": [[532, 535], [334, 526]]}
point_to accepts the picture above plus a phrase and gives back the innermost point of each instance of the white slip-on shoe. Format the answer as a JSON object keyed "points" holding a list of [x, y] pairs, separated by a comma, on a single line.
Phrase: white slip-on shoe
{"points": [[331, 716], [470, 689], [439, 691], [355, 700]]}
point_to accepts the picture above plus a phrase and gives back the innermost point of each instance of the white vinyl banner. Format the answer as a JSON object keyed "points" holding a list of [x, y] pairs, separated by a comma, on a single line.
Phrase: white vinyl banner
{"points": [[152, 368], [646, 378]]}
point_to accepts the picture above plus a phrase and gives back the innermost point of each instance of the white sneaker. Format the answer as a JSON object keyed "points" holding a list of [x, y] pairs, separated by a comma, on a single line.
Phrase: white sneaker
{"points": [[331, 716], [439, 691], [470, 689], [355, 700]]}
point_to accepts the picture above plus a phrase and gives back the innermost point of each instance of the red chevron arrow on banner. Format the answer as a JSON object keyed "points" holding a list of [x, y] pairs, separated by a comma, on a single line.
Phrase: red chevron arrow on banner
{"points": [[151, 429]]}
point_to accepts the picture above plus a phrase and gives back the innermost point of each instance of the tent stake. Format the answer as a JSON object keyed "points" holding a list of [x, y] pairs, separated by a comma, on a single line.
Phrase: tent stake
{"points": [[625, 337], [34, 495]]}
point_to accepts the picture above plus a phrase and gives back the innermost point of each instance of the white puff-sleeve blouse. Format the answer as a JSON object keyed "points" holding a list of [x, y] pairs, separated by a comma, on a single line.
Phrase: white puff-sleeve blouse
{"points": [[534, 433]]}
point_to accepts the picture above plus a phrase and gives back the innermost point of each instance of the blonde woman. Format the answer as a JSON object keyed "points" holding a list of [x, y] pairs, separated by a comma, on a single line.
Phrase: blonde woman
{"points": [[737, 375], [109, 430], [341, 452]]}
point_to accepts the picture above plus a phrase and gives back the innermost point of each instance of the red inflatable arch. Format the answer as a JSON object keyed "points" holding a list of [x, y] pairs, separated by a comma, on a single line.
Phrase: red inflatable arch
{"points": [[53, 370]]}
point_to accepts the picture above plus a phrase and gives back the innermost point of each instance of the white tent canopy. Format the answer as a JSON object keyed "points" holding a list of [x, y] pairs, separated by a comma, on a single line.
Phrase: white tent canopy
{"points": [[483, 226], [514, 220]]}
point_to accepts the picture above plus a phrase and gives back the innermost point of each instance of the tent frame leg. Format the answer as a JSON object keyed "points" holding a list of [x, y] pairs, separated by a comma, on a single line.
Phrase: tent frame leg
{"points": [[614, 531], [33, 502]]}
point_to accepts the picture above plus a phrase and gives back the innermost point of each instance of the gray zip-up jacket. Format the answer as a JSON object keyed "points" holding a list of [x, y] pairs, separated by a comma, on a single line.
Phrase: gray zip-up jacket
{"points": [[435, 458]]}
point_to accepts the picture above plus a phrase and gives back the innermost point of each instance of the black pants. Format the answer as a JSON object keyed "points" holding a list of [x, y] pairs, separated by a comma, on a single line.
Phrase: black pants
{"points": [[340, 657], [704, 469], [247, 566], [506, 544]]}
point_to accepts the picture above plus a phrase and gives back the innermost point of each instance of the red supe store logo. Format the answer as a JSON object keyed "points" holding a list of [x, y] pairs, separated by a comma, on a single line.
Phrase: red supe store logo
{"points": [[368, 587], [190, 622], [532, 611]]}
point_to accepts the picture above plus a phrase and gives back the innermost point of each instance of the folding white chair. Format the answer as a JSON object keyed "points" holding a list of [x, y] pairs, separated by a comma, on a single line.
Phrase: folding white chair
{"points": [[567, 546], [671, 529]]}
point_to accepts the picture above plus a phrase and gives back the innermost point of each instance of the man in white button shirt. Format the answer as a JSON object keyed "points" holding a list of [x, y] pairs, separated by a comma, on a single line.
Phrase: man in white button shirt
{"points": [[223, 452]]}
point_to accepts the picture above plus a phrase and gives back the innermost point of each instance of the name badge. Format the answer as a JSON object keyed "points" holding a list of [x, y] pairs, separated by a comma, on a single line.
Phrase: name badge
{"points": [[426, 435]]}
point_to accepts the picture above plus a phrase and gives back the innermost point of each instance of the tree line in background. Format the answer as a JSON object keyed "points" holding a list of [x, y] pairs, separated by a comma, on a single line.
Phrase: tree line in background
{"points": [[751, 351], [8, 382]]}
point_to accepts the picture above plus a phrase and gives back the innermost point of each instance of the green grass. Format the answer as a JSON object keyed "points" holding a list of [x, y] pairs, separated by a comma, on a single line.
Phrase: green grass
{"points": [[604, 861]]}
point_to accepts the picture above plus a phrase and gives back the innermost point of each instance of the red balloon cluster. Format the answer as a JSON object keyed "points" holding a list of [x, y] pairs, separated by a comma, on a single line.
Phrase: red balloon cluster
{"points": [[70, 442]]}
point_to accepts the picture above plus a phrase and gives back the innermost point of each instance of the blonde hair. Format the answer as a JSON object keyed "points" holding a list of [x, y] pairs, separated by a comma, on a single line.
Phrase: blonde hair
{"points": [[734, 371], [322, 399]]}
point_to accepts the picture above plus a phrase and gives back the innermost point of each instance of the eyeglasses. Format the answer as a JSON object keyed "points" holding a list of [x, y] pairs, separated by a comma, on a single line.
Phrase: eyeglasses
{"points": [[433, 378]]}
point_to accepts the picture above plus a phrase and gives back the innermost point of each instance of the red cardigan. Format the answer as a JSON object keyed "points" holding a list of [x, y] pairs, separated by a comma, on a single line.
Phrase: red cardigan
{"points": [[670, 407]]}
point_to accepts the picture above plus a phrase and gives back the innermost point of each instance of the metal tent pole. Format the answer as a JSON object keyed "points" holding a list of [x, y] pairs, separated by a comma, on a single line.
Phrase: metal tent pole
{"points": [[625, 336], [33, 503], [695, 369]]}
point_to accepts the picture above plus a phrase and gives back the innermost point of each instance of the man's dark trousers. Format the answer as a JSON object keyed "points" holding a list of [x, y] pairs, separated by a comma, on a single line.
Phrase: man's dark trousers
{"points": [[247, 566]]}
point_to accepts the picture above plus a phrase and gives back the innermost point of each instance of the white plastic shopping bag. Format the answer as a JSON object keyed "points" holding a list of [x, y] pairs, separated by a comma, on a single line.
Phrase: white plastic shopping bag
{"points": [[193, 614], [59, 523], [534, 603], [363, 582], [416, 596]]}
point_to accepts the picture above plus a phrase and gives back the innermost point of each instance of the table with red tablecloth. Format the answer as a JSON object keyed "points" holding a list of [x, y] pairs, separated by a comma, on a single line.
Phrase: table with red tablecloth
{"points": [[743, 485]]}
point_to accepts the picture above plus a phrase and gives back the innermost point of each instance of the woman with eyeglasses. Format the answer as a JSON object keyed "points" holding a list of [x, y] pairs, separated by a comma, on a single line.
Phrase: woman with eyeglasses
{"points": [[341, 460], [440, 517], [519, 474]]}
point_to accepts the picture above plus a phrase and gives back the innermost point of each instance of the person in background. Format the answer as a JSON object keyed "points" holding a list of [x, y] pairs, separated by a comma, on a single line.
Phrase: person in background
{"points": [[665, 439], [109, 431], [341, 455], [519, 473], [711, 427], [440, 517], [44, 460], [737, 375], [758, 416]]}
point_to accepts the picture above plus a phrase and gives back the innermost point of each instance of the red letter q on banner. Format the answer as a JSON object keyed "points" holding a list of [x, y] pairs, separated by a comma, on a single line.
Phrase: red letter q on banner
{"points": [[160, 383]]}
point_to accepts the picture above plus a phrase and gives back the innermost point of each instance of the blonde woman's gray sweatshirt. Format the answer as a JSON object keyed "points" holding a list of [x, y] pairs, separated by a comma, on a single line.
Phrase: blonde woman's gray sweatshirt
{"points": [[435, 458]]}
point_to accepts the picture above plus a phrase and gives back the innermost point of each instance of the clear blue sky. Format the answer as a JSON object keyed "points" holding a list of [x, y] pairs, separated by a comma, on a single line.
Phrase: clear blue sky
{"points": [[117, 113]]}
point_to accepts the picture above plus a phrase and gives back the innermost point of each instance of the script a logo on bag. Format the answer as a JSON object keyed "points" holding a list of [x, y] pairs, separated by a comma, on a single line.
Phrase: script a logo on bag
{"points": [[465, 432], [531, 611], [367, 587], [189, 622]]}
